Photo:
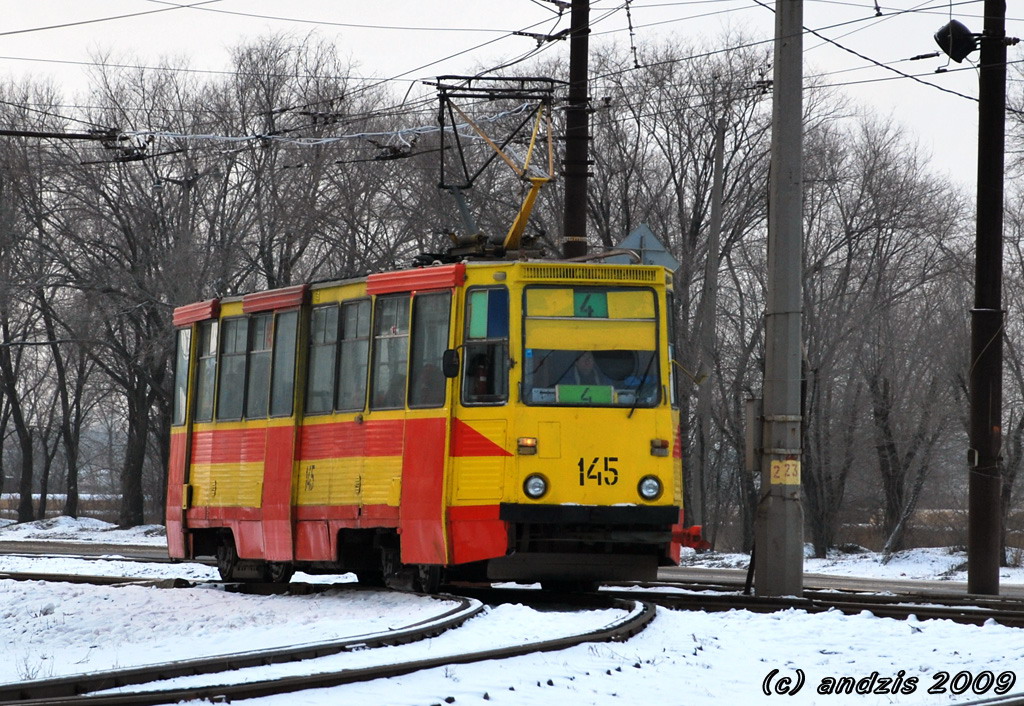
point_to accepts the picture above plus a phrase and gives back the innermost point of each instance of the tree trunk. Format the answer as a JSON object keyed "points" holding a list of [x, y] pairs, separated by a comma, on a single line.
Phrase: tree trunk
{"points": [[23, 432], [69, 419], [132, 497], [25, 510]]}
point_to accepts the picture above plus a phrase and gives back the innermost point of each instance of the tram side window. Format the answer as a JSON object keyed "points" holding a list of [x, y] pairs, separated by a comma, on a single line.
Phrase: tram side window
{"points": [[231, 386], [260, 349], [181, 375], [485, 372], [282, 385], [355, 355], [430, 315], [323, 338], [390, 352], [206, 371]]}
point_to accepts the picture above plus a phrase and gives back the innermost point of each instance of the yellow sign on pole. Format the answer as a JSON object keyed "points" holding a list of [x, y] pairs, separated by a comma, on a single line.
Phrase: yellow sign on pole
{"points": [[785, 472]]}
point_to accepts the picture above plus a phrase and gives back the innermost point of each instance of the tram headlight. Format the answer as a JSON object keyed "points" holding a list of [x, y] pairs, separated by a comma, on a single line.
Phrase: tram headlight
{"points": [[527, 445], [535, 486], [649, 488]]}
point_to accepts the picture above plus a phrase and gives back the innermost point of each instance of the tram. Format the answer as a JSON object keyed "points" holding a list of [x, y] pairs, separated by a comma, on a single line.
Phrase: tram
{"points": [[506, 420]]}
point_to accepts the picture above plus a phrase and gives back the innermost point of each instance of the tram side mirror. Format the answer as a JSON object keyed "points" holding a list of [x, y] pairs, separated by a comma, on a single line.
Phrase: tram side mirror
{"points": [[450, 363]]}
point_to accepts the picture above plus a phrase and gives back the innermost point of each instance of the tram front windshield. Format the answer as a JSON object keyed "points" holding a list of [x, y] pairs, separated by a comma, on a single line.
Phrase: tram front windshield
{"points": [[593, 346]]}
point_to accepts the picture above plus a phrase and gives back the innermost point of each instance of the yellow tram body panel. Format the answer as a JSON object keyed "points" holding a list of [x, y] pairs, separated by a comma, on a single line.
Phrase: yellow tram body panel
{"points": [[590, 454]]}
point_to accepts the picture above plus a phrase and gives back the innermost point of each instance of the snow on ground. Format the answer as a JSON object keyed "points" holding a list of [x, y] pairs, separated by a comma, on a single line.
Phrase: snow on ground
{"points": [[58, 629], [926, 563], [688, 658], [82, 529]]}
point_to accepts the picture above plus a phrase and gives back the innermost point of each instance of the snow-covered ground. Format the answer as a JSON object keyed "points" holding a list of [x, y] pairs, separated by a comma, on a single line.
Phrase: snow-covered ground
{"points": [[927, 563], [688, 658], [83, 529]]}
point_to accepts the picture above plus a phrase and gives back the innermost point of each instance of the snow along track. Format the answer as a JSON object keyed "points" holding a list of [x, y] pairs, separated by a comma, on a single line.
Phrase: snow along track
{"points": [[637, 616], [68, 689], [975, 610]]}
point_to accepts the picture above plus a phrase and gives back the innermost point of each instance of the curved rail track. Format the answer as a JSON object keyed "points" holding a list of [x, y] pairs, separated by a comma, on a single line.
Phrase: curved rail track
{"points": [[683, 595], [1007, 700], [70, 691]]}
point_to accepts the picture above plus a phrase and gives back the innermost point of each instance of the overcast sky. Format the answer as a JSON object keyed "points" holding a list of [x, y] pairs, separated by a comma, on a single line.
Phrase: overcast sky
{"points": [[420, 39]]}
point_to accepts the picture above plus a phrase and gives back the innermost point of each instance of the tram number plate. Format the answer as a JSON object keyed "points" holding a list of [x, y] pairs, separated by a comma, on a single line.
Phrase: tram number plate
{"points": [[599, 470]]}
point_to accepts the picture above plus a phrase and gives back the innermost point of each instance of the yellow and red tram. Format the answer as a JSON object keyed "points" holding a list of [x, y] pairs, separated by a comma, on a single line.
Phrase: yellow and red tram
{"points": [[507, 420]]}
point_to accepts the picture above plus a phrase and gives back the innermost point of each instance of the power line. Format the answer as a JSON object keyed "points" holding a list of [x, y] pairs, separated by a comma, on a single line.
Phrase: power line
{"points": [[608, 14], [404, 135], [51, 114], [404, 107], [876, 62], [105, 19], [327, 23], [183, 69]]}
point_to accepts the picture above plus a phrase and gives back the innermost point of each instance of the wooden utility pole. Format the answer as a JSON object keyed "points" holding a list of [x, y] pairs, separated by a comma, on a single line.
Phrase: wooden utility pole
{"points": [[577, 134], [778, 524]]}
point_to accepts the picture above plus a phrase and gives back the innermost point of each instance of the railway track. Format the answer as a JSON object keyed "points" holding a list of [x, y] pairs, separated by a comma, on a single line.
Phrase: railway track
{"points": [[59, 690], [970, 610], [975, 610], [84, 550], [80, 690], [95, 580], [667, 594]]}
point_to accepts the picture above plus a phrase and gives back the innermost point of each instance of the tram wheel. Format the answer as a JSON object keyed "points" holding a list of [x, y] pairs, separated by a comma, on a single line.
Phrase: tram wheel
{"points": [[227, 558], [428, 578], [396, 575], [279, 572]]}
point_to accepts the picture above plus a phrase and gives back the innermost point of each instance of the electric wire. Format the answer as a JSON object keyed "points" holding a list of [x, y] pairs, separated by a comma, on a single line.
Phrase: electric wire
{"points": [[329, 23], [104, 19], [395, 110], [877, 63]]}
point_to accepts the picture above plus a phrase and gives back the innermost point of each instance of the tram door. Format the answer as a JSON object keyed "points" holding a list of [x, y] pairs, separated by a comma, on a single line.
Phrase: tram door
{"points": [[480, 427], [427, 422]]}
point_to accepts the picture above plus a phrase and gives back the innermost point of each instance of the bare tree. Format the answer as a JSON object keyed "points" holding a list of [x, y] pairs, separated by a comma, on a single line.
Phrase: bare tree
{"points": [[879, 230]]}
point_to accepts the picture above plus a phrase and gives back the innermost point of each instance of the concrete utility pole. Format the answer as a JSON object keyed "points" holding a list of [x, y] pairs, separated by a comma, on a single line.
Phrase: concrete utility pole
{"points": [[778, 527], [984, 536], [577, 134]]}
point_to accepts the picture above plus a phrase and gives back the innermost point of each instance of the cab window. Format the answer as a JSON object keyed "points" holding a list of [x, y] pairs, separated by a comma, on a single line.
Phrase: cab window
{"points": [[485, 369], [592, 346]]}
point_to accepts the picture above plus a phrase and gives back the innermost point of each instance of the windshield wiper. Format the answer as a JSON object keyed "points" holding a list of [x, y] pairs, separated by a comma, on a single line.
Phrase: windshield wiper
{"points": [[640, 383], [571, 365]]}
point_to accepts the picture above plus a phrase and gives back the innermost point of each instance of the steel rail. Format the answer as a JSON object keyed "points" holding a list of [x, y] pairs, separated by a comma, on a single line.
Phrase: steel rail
{"points": [[637, 618], [96, 580], [82, 550], [97, 558], [1007, 604], [1005, 700], [1010, 615], [57, 690]]}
